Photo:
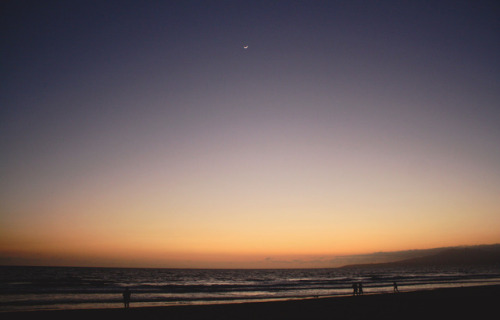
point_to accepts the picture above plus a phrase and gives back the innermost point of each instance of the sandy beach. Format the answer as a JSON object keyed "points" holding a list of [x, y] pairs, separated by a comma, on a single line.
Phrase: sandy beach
{"points": [[467, 302]]}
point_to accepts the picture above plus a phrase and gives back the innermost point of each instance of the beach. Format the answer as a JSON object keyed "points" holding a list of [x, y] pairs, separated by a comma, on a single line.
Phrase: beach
{"points": [[462, 302]]}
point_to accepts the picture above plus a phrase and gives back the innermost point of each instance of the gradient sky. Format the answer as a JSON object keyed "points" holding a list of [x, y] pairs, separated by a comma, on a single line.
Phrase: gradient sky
{"points": [[142, 133]]}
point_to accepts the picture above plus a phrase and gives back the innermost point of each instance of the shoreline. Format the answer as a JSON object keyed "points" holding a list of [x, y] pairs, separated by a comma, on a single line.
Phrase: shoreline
{"points": [[118, 304], [470, 301]]}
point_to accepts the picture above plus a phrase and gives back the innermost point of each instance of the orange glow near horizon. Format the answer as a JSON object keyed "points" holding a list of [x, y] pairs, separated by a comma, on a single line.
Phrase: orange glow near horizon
{"points": [[224, 241]]}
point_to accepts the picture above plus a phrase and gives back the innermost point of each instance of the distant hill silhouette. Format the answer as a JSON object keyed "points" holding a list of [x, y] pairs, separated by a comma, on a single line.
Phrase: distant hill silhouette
{"points": [[461, 256]]}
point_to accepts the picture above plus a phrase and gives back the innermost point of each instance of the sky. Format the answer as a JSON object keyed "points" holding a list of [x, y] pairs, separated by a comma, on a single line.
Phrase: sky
{"points": [[246, 133]]}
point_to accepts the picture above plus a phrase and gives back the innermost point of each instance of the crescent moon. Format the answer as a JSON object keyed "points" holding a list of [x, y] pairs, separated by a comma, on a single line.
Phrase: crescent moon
{"points": [[245, 47]]}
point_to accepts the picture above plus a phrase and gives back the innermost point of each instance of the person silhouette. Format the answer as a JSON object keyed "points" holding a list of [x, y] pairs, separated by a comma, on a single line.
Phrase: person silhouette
{"points": [[395, 287], [126, 298], [360, 288], [354, 289]]}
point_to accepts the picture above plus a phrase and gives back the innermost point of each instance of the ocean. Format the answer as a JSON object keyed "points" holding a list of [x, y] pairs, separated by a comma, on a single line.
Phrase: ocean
{"points": [[44, 288]]}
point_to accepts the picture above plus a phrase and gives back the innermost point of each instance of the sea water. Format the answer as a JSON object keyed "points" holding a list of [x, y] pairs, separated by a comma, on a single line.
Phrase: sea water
{"points": [[37, 288]]}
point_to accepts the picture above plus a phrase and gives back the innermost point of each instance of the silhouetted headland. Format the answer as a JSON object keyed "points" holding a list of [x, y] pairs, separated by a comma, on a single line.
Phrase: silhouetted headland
{"points": [[468, 256]]}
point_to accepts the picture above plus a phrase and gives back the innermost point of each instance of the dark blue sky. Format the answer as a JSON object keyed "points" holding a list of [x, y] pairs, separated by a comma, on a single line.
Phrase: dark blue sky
{"points": [[158, 103], [400, 46]]}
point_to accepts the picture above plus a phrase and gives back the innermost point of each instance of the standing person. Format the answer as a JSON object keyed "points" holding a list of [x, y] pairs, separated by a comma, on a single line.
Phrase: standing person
{"points": [[360, 288], [354, 289], [395, 287], [126, 298]]}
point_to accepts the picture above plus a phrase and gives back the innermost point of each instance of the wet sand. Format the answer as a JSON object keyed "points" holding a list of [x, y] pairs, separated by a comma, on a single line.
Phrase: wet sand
{"points": [[467, 302]]}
